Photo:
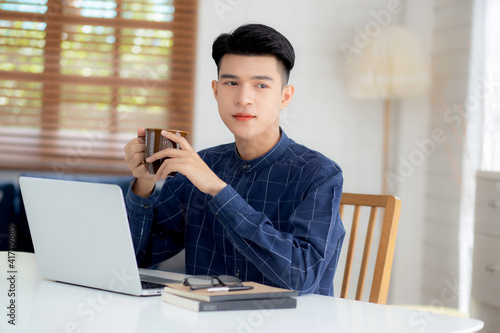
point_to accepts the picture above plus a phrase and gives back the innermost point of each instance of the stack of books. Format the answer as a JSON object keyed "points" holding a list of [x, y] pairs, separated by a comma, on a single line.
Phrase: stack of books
{"points": [[259, 297]]}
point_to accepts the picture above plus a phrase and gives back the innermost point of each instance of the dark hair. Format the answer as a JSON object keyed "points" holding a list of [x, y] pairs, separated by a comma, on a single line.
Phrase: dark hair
{"points": [[252, 40]]}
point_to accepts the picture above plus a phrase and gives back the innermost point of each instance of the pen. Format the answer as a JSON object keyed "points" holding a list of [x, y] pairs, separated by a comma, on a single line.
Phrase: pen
{"points": [[219, 289]]}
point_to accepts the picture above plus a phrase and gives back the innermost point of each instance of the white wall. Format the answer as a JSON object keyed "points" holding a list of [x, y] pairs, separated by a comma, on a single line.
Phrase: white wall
{"points": [[322, 116], [412, 133], [448, 227]]}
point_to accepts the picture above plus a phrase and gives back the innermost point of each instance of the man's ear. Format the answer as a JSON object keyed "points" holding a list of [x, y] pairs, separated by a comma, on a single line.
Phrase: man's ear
{"points": [[286, 96], [215, 86]]}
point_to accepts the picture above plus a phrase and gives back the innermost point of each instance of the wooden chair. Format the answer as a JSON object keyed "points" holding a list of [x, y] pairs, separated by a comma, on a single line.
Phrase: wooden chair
{"points": [[385, 253]]}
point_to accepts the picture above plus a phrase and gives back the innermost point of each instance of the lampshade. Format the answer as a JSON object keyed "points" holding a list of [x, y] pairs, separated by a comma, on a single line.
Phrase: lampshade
{"points": [[391, 66]]}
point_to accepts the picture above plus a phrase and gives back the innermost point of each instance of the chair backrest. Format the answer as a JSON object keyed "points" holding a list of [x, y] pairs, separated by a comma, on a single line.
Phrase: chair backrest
{"points": [[385, 253]]}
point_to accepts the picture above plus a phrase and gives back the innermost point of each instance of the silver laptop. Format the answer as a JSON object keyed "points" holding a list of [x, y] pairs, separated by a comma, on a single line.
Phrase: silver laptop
{"points": [[81, 236]]}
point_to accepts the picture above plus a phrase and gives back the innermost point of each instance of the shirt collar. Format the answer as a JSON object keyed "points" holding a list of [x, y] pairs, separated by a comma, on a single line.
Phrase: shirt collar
{"points": [[268, 158]]}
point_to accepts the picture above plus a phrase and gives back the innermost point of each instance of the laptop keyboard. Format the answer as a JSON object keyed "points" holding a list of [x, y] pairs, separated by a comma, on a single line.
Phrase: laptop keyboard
{"points": [[157, 279], [151, 285]]}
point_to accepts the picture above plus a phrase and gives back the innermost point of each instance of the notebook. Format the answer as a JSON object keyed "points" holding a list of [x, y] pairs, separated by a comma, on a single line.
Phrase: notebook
{"points": [[81, 236]]}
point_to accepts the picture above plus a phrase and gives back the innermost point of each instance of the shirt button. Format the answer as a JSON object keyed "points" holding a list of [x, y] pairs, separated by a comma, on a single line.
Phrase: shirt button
{"points": [[146, 206], [237, 273]]}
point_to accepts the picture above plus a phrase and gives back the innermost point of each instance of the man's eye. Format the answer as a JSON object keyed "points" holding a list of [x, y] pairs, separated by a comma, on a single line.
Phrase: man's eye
{"points": [[231, 83], [262, 85]]}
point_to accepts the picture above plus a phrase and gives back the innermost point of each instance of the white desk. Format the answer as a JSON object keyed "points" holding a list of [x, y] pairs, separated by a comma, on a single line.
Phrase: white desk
{"points": [[46, 306]]}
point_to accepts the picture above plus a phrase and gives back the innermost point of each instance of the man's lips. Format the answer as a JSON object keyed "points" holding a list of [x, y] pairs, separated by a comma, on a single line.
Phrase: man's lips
{"points": [[243, 116]]}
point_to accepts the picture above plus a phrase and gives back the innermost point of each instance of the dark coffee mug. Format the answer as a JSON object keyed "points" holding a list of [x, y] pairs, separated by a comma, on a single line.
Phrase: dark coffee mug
{"points": [[156, 142]]}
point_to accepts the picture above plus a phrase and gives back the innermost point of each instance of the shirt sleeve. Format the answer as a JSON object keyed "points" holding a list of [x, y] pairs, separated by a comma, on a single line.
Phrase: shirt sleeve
{"points": [[140, 216], [296, 259], [155, 242]]}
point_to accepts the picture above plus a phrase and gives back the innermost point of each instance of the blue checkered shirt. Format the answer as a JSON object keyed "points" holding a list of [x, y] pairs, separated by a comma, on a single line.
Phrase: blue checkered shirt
{"points": [[276, 222]]}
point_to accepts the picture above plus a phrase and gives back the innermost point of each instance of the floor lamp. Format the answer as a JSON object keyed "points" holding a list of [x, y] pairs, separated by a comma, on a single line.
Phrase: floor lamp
{"points": [[392, 66]]}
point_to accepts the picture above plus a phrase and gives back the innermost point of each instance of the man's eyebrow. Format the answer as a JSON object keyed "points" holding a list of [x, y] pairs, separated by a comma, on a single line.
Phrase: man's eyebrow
{"points": [[228, 76], [262, 77], [257, 77]]}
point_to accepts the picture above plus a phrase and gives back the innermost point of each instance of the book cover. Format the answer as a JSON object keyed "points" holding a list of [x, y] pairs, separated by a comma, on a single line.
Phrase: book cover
{"points": [[240, 304], [258, 291]]}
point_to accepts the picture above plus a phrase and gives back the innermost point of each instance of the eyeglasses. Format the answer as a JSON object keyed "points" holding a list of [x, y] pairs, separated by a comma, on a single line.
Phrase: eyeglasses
{"points": [[215, 283]]}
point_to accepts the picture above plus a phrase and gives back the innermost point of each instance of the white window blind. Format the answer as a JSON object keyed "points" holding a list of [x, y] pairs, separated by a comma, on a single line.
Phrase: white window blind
{"points": [[77, 78]]}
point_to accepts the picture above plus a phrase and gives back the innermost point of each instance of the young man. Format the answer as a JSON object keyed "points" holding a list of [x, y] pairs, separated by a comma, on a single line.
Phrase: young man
{"points": [[263, 208]]}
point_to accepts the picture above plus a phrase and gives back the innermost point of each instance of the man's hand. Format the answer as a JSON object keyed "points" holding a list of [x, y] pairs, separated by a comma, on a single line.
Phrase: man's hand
{"points": [[134, 157], [186, 161]]}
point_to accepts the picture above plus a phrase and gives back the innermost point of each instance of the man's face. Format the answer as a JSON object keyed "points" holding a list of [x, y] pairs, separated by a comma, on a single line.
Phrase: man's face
{"points": [[250, 95]]}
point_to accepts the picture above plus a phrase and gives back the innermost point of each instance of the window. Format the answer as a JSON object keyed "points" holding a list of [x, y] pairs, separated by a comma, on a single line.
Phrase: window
{"points": [[77, 78]]}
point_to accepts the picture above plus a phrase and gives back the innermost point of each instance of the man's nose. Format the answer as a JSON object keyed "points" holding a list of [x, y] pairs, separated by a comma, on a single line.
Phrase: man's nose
{"points": [[244, 95]]}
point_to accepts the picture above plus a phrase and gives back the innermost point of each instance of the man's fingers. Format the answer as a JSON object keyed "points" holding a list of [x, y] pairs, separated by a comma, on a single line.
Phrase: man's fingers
{"points": [[138, 146], [137, 159], [163, 171], [134, 156], [167, 152], [181, 141], [171, 152], [141, 131], [133, 147]]}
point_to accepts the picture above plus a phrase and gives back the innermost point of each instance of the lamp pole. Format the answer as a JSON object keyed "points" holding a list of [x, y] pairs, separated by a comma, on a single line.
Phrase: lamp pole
{"points": [[387, 130]]}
